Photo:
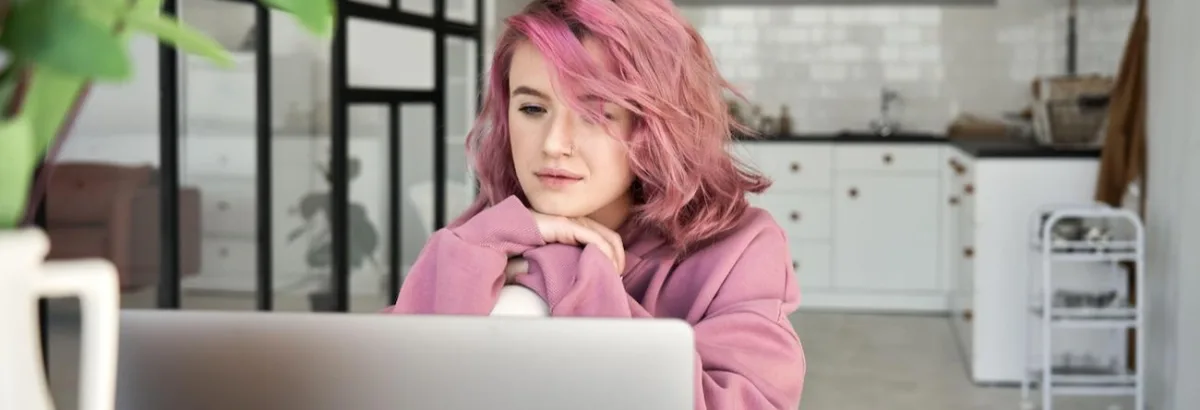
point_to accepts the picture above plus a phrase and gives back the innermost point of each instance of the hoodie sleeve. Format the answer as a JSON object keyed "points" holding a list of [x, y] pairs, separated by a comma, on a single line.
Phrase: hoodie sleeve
{"points": [[748, 356], [461, 269]]}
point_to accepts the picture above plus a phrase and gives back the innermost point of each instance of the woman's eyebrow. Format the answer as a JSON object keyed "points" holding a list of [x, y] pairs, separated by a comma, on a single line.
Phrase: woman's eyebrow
{"points": [[529, 91]]}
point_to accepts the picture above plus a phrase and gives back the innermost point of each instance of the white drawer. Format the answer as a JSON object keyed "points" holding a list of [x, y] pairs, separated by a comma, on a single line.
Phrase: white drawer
{"points": [[794, 166], [887, 157], [812, 263], [227, 257], [220, 156], [802, 216], [228, 207]]}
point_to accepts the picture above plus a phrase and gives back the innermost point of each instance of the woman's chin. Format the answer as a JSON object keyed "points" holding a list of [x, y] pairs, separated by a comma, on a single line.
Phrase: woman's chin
{"points": [[560, 207]]}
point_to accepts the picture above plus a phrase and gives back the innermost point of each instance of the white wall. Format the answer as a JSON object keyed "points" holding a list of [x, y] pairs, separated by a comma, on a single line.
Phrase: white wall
{"points": [[1173, 226], [828, 63]]}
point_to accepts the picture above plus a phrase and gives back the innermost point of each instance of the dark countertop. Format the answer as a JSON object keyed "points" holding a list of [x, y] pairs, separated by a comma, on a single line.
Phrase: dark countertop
{"points": [[976, 147]]}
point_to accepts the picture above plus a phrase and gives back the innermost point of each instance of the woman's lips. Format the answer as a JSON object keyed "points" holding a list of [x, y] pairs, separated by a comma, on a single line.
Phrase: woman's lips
{"points": [[557, 178], [557, 181]]}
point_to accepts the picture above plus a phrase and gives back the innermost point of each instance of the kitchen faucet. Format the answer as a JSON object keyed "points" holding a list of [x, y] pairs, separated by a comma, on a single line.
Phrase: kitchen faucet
{"points": [[885, 125]]}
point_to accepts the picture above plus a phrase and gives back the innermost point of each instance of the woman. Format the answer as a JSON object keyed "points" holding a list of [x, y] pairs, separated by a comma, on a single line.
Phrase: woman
{"points": [[607, 190]]}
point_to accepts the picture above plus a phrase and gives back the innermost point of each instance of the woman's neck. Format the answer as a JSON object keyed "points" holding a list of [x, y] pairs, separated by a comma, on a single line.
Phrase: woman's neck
{"points": [[613, 215]]}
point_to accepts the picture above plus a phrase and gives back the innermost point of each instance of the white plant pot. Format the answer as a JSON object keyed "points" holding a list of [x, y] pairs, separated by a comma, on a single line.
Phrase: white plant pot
{"points": [[24, 278]]}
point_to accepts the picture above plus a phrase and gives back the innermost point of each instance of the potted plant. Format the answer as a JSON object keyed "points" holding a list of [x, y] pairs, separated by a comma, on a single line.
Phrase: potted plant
{"points": [[313, 209], [55, 50]]}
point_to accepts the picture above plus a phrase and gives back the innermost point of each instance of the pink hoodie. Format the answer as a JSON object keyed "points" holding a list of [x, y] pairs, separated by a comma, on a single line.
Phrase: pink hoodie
{"points": [[736, 294]]}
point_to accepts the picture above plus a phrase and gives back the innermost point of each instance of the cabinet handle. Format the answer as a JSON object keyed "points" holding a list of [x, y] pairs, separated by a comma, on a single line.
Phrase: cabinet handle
{"points": [[222, 206], [795, 265], [795, 167], [853, 192], [969, 189], [968, 252], [958, 168], [968, 314], [887, 158], [224, 252], [953, 201], [795, 216]]}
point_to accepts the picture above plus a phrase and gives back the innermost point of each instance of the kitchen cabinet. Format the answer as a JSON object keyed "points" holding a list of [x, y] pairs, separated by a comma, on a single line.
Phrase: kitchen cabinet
{"points": [[996, 199], [862, 220], [886, 238]]}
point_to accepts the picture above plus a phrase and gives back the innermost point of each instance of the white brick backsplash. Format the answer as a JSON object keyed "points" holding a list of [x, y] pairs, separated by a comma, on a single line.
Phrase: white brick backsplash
{"points": [[899, 73], [809, 15], [902, 34], [738, 16], [828, 72], [846, 53], [828, 63], [883, 15], [924, 16]]}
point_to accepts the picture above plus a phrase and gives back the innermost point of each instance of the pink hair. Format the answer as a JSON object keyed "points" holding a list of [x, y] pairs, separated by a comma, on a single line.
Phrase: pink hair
{"points": [[689, 188]]}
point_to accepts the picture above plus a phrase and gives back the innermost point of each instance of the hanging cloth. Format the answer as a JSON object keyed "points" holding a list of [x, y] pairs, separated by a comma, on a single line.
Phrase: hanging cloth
{"points": [[1123, 159]]}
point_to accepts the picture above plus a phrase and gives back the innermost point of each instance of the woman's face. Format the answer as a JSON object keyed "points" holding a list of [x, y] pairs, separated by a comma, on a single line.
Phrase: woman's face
{"points": [[566, 165]]}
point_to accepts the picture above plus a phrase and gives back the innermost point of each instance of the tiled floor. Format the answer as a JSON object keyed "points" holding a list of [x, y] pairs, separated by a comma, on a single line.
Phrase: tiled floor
{"points": [[855, 362]]}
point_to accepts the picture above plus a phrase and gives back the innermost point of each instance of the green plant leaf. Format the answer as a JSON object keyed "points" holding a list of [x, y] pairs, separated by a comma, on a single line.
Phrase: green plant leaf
{"points": [[49, 98], [56, 34], [170, 30], [314, 15], [18, 161], [9, 80]]}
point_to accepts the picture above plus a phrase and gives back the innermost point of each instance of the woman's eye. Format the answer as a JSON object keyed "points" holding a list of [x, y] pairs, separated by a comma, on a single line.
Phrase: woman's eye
{"points": [[532, 110]]}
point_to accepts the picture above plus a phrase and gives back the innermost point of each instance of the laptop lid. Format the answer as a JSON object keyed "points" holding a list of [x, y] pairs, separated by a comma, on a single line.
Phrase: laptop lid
{"points": [[203, 360]]}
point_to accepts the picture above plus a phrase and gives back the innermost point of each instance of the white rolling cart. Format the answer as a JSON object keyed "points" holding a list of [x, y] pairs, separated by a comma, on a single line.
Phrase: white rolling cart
{"points": [[1093, 234]]}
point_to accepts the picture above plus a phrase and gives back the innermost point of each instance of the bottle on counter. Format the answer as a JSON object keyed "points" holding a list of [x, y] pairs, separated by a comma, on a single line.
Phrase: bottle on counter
{"points": [[785, 121]]}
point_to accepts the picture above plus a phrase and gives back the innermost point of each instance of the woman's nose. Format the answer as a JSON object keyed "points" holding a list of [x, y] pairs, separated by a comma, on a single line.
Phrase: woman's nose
{"points": [[560, 137]]}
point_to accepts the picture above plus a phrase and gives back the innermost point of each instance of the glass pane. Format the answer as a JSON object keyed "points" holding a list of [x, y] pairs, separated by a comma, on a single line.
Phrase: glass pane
{"points": [[369, 187], [389, 56], [461, 10], [300, 97], [416, 176], [102, 202], [461, 100], [217, 174], [422, 7]]}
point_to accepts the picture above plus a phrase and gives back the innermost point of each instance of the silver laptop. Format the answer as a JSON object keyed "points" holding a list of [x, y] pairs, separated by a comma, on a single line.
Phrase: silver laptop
{"points": [[205, 360]]}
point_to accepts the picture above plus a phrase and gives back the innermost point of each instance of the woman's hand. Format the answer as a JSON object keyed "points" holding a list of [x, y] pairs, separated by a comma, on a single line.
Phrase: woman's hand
{"points": [[517, 266], [582, 231]]}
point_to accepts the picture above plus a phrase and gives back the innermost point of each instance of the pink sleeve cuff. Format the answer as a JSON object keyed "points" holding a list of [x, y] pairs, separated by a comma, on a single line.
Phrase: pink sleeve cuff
{"points": [[507, 227]]}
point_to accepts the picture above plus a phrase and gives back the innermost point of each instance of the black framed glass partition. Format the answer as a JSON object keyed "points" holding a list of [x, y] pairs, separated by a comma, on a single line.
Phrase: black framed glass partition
{"points": [[392, 60], [321, 166], [304, 178]]}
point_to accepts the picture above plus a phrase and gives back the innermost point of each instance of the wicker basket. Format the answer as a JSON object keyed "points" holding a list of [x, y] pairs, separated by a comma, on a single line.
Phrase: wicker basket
{"points": [[1069, 122], [1071, 110]]}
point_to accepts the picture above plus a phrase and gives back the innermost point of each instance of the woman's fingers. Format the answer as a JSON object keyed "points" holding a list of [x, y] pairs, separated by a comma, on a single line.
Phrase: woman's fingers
{"points": [[585, 235], [582, 231], [516, 266], [613, 239]]}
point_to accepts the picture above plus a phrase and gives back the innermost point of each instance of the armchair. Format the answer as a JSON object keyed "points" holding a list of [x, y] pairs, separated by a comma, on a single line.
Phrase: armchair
{"points": [[111, 211]]}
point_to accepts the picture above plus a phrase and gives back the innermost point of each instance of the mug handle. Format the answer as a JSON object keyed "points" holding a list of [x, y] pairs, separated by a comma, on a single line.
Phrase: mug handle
{"points": [[94, 282]]}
